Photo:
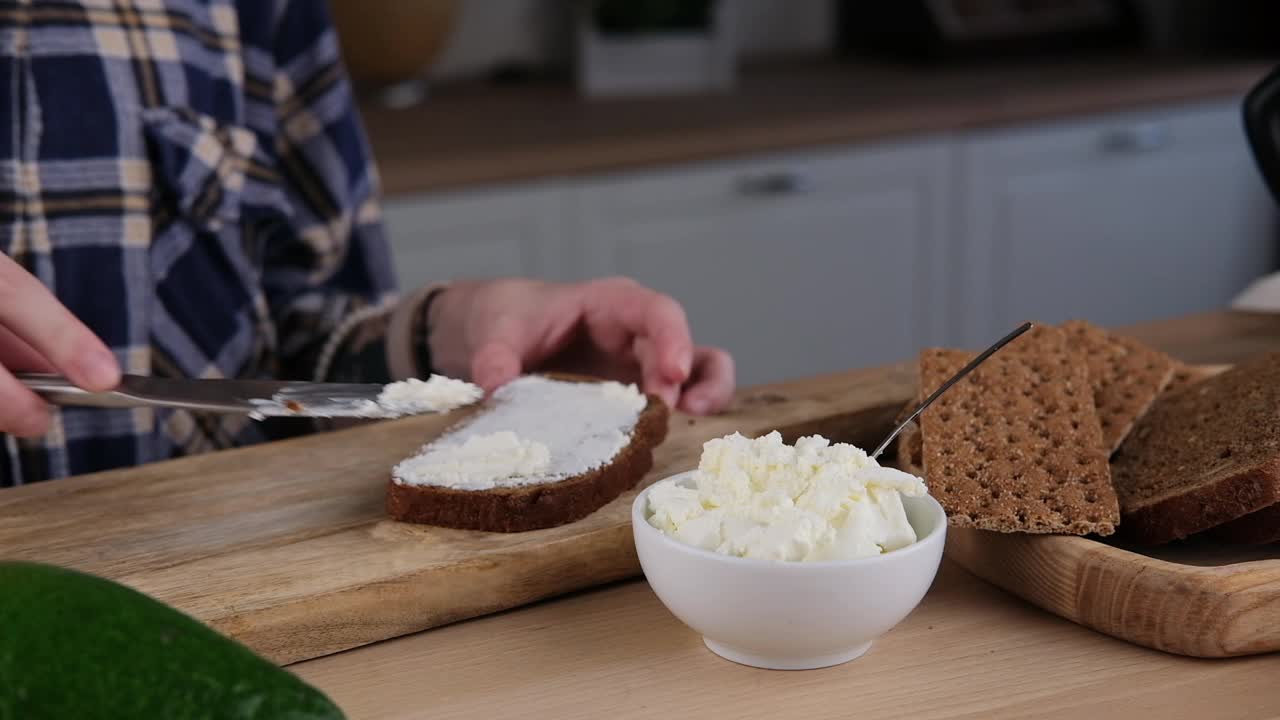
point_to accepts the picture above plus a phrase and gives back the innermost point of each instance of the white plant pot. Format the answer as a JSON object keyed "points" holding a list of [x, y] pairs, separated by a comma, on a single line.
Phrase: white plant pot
{"points": [[664, 63]]}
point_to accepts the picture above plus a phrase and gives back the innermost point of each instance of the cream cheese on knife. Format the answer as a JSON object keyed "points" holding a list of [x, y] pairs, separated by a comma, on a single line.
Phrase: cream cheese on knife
{"points": [[405, 397]]}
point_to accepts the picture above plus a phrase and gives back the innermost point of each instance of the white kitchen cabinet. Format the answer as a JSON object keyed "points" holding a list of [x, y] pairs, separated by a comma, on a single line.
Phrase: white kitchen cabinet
{"points": [[797, 263], [1119, 219], [479, 234], [847, 256]]}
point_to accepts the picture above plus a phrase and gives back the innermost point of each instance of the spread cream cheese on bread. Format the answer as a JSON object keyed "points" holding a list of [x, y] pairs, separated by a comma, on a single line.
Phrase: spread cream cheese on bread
{"points": [[764, 499], [478, 463], [538, 430]]}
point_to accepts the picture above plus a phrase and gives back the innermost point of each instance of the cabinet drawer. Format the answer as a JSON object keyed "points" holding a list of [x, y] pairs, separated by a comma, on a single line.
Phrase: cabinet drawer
{"points": [[1114, 137], [478, 234], [758, 181], [1120, 219]]}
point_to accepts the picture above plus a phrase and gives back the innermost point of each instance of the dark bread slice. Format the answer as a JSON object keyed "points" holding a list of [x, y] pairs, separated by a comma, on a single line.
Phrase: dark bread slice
{"points": [[1017, 446], [1203, 455], [538, 506], [1127, 376], [1256, 528]]}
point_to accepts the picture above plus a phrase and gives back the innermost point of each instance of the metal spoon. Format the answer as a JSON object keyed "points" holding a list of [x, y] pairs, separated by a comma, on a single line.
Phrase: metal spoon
{"points": [[947, 385]]}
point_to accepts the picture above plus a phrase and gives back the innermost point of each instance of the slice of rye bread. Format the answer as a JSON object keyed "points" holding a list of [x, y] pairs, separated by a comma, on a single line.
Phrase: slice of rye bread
{"points": [[1256, 528], [1017, 446], [536, 506], [1126, 376], [1203, 455]]}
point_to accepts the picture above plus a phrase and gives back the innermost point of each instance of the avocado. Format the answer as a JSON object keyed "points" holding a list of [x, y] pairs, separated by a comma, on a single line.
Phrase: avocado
{"points": [[74, 645]]}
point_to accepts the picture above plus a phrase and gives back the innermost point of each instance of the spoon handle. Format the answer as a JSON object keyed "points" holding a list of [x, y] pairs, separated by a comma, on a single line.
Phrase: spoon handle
{"points": [[947, 385]]}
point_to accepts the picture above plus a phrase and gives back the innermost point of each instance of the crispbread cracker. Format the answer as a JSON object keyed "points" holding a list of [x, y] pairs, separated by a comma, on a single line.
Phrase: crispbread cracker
{"points": [[1126, 376], [1204, 455], [1016, 446], [911, 449]]}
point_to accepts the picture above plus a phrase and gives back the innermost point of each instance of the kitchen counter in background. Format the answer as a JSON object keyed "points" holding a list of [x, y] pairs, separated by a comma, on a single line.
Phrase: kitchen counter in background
{"points": [[482, 134], [956, 201]]}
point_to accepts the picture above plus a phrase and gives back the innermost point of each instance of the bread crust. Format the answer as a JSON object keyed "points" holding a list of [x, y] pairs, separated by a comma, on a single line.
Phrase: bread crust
{"points": [[1256, 528], [1203, 456], [537, 506], [1211, 505]]}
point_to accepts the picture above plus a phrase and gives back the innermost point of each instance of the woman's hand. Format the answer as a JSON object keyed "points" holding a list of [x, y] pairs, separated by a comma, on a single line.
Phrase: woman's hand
{"points": [[492, 331], [37, 333]]}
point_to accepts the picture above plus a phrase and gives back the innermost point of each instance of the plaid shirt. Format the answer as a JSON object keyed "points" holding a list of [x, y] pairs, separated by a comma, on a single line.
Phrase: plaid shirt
{"points": [[191, 179]]}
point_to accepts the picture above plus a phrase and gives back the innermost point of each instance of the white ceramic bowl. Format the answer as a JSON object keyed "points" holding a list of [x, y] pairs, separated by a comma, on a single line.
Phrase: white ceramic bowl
{"points": [[790, 615]]}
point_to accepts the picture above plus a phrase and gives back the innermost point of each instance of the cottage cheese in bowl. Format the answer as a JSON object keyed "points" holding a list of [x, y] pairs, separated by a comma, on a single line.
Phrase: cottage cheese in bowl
{"points": [[814, 501], [788, 557]]}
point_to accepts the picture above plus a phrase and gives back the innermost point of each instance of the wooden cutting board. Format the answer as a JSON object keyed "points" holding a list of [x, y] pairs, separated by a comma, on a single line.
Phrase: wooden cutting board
{"points": [[1199, 598], [286, 548]]}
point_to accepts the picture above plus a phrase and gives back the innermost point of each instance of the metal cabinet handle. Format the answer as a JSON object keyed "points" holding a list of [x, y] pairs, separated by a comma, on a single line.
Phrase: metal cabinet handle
{"points": [[776, 182], [1140, 138]]}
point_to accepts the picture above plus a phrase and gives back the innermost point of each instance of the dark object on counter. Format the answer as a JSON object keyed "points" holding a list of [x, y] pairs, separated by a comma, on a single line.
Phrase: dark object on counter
{"points": [[1238, 28], [623, 17], [1262, 127], [981, 29]]}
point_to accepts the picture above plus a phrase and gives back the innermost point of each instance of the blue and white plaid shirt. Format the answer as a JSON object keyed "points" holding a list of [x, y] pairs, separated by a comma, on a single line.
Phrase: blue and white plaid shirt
{"points": [[191, 179]]}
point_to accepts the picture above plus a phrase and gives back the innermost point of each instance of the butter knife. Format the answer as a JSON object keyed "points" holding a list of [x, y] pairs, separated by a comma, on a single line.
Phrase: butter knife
{"points": [[256, 398]]}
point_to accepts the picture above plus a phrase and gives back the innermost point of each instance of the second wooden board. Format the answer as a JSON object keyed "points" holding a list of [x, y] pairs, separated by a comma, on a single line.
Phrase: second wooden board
{"points": [[1198, 598]]}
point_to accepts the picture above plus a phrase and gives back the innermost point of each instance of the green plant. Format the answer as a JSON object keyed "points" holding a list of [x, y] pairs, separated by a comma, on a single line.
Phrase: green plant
{"points": [[74, 645], [622, 17]]}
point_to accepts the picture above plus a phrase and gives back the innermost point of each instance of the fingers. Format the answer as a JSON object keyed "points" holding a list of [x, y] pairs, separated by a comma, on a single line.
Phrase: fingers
{"points": [[652, 380], [649, 315], [38, 333], [22, 413], [18, 355], [495, 364], [710, 388], [667, 329], [36, 317], [500, 352]]}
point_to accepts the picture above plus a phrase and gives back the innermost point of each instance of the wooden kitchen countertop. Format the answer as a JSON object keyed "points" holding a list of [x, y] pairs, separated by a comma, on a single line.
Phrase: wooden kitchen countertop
{"points": [[469, 135], [968, 651]]}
